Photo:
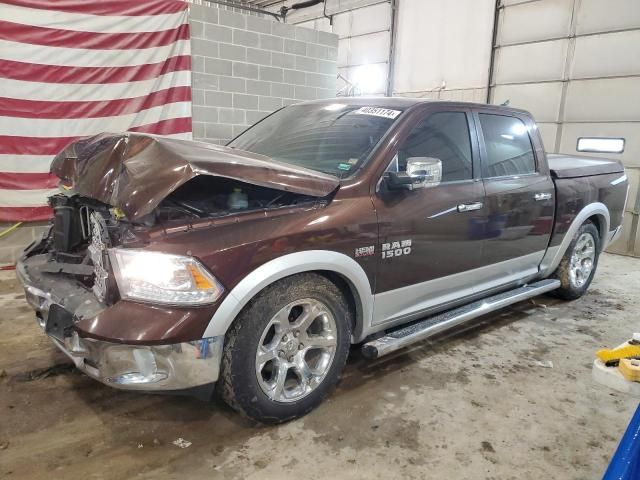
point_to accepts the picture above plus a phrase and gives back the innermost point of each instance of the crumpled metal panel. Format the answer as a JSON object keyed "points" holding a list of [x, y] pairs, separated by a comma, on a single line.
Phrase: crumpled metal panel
{"points": [[135, 172]]}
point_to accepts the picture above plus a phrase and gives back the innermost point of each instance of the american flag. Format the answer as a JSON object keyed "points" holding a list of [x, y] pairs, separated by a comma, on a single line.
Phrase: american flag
{"points": [[71, 68]]}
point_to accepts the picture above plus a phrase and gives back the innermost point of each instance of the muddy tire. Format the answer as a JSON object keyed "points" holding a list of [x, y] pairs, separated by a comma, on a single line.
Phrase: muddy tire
{"points": [[578, 266], [286, 349]]}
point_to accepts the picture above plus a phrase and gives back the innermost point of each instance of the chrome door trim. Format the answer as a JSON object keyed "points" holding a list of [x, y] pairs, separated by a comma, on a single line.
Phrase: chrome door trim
{"points": [[542, 196], [470, 207], [411, 301]]}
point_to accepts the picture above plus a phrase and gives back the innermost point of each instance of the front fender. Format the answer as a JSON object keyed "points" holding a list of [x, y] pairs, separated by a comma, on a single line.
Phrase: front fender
{"points": [[287, 265]]}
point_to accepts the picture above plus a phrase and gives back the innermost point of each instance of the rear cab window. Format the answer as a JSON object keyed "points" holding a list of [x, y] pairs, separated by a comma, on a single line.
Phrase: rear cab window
{"points": [[508, 146]]}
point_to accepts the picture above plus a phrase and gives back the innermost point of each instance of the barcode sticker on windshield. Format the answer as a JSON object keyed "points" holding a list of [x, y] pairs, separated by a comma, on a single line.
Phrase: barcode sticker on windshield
{"points": [[378, 112]]}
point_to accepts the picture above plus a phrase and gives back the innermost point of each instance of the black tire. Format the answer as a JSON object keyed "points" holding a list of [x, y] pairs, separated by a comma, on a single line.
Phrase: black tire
{"points": [[569, 290], [238, 384]]}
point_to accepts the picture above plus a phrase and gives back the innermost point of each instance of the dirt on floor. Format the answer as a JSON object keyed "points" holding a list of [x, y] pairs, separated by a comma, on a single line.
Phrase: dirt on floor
{"points": [[510, 398]]}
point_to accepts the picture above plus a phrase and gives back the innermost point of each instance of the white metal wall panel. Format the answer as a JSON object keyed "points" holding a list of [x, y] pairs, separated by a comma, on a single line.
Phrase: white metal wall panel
{"points": [[476, 95], [607, 15], [508, 3], [607, 54], [365, 49], [596, 76], [321, 24], [541, 99], [375, 18], [611, 99], [531, 62], [549, 133], [339, 6], [535, 21], [622, 245], [629, 131], [442, 41], [371, 78], [317, 11]]}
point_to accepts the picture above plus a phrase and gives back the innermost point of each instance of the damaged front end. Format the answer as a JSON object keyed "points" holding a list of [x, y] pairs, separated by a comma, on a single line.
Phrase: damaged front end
{"points": [[128, 315], [69, 280]]}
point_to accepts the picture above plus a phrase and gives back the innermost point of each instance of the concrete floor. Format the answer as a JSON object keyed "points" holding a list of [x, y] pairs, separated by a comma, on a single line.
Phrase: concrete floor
{"points": [[475, 405]]}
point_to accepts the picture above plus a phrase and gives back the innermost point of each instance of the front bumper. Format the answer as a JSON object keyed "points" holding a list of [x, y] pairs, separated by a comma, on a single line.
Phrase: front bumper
{"points": [[183, 366]]}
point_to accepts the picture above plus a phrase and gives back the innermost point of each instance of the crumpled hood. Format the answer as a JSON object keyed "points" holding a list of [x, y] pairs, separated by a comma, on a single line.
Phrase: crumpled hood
{"points": [[135, 172]]}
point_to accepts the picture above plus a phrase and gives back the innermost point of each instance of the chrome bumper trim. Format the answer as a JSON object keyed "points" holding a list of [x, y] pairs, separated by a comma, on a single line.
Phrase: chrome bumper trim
{"points": [[179, 366]]}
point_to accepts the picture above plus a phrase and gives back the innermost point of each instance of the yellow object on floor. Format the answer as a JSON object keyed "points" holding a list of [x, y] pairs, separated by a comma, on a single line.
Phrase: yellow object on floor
{"points": [[630, 369], [624, 351]]}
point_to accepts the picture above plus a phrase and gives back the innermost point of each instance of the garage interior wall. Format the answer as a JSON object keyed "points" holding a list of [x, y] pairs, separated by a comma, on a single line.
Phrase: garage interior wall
{"points": [[243, 68], [246, 66], [440, 50], [575, 64], [364, 31]]}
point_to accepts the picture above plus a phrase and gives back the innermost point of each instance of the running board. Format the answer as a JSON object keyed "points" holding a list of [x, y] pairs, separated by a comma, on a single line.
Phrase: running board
{"points": [[397, 339]]}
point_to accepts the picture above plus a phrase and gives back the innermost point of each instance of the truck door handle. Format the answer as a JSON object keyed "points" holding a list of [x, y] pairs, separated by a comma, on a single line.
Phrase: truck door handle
{"points": [[542, 196], [469, 207]]}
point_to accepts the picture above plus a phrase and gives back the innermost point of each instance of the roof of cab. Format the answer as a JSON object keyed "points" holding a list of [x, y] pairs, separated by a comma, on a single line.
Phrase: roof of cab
{"points": [[405, 102]]}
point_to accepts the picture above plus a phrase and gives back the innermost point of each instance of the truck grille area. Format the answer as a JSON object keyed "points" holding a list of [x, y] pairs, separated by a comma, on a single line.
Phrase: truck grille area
{"points": [[97, 252], [78, 243]]}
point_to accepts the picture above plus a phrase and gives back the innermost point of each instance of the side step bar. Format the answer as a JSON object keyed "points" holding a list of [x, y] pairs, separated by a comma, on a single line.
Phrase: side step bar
{"points": [[397, 339]]}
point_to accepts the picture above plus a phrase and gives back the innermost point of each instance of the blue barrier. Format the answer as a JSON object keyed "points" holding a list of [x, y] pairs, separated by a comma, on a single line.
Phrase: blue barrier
{"points": [[625, 464]]}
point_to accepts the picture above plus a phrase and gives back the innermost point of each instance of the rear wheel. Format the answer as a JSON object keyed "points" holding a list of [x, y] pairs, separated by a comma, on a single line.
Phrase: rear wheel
{"points": [[286, 349], [578, 266]]}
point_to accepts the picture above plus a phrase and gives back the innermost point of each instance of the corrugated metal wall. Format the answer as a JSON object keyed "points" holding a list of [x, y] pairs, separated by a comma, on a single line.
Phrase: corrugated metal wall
{"points": [[575, 64], [438, 42], [442, 49]]}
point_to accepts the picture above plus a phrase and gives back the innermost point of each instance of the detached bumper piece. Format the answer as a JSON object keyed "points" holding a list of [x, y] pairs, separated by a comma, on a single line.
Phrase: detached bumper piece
{"points": [[186, 367]]}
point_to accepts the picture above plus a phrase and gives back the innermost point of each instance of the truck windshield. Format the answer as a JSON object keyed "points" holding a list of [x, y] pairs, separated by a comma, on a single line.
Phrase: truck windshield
{"points": [[331, 138]]}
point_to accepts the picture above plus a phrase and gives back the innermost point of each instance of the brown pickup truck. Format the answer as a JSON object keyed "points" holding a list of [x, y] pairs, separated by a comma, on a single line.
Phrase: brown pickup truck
{"points": [[251, 269]]}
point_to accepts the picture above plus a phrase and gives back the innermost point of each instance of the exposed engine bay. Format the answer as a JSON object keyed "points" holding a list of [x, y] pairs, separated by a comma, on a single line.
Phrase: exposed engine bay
{"points": [[208, 196], [83, 229]]}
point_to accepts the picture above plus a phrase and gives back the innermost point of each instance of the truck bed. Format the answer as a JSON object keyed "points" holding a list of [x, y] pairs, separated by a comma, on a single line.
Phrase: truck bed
{"points": [[572, 166]]}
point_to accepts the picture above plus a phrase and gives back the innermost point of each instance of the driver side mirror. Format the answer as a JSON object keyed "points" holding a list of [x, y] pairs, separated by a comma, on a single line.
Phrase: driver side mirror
{"points": [[421, 172]]}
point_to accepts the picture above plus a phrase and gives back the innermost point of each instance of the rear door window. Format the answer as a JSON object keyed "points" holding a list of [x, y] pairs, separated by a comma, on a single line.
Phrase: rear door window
{"points": [[508, 146]]}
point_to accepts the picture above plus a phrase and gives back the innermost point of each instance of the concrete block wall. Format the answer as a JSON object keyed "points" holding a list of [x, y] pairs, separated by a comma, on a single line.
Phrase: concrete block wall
{"points": [[246, 66]]}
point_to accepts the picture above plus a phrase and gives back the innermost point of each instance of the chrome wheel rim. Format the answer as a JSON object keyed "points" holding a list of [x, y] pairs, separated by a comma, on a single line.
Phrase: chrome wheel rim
{"points": [[296, 350], [582, 260]]}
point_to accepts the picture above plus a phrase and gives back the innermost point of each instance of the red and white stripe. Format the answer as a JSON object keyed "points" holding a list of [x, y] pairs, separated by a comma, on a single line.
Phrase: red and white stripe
{"points": [[71, 68]]}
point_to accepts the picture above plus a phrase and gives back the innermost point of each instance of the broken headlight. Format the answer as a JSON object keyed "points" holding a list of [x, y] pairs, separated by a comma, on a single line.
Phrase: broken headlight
{"points": [[163, 278]]}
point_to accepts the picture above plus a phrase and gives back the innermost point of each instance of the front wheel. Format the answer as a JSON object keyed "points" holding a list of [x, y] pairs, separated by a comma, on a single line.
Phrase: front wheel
{"points": [[578, 266], [286, 349]]}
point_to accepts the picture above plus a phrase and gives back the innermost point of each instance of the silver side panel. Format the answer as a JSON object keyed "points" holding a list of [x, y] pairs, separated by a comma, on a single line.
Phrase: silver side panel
{"points": [[554, 255], [403, 304], [285, 266], [429, 327], [410, 301]]}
